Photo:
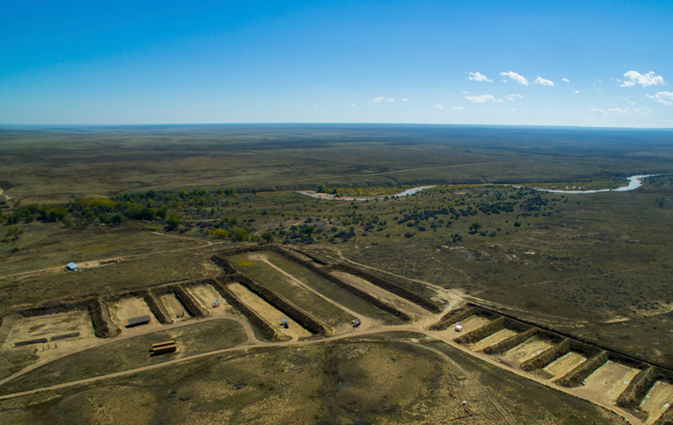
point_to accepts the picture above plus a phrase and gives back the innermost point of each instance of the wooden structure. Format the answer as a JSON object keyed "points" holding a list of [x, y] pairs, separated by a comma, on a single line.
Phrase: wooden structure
{"points": [[164, 347]]}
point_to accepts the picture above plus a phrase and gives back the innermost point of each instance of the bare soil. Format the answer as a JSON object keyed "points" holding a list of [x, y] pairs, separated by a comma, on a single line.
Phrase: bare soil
{"points": [[128, 308], [469, 324], [608, 381], [408, 307], [175, 310], [269, 312], [564, 364], [501, 335], [657, 401], [206, 295], [527, 350]]}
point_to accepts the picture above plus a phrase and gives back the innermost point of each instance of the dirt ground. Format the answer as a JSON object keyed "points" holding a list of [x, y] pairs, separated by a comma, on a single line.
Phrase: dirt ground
{"points": [[397, 301], [501, 335], [127, 308], [527, 350], [206, 295], [657, 401], [49, 326], [469, 324], [564, 364], [608, 381], [175, 310], [267, 311]]}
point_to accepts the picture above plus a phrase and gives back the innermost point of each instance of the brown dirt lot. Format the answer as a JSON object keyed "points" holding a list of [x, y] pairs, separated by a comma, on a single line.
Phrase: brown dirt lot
{"points": [[206, 295], [127, 308], [501, 335], [51, 325], [608, 381], [395, 300], [175, 310], [564, 364], [48, 326], [269, 312], [657, 401], [469, 324], [527, 350]]}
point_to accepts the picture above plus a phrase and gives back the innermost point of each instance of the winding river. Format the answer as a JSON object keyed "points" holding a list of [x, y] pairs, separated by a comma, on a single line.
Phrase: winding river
{"points": [[634, 183], [329, 197]]}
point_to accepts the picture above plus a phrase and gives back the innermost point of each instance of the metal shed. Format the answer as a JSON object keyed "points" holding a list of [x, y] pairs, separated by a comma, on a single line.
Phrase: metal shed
{"points": [[71, 266], [136, 321]]}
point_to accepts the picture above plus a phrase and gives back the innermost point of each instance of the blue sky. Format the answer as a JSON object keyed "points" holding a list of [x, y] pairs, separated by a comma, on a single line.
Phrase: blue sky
{"points": [[606, 63]]}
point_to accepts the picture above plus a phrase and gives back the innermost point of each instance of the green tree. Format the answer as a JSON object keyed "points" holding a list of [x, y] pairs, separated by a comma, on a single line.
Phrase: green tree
{"points": [[474, 227], [220, 233], [13, 234], [173, 221], [241, 234], [267, 236]]}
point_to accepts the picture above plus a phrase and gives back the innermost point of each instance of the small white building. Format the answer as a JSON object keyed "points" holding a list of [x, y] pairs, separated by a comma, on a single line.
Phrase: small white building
{"points": [[459, 328], [71, 267]]}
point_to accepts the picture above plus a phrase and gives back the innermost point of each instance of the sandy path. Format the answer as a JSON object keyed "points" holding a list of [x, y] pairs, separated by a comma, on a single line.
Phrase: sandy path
{"points": [[269, 312]]}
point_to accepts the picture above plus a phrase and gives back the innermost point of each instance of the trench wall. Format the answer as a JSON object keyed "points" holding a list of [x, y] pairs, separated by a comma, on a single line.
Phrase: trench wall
{"points": [[187, 300], [390, 287], [580, 373], [480, 333], [510, 343], [453, 317], [156, 307], [103, 325], [545, 358], [304, 318], [634, 394], [269, 331]]}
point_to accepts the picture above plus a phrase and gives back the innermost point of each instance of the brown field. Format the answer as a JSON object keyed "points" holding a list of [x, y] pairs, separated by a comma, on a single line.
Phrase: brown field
{"points": [[51, 325], [128, 308], [527, 350], [471, 323], [176, 310], [564, 364], [206, 295], [501, 335], [657, 401], [392, 299], [269, 312], [608, 381]]}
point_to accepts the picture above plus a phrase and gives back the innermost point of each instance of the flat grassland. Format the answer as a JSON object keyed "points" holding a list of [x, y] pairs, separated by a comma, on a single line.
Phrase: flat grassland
{"points": [[382, 380]]}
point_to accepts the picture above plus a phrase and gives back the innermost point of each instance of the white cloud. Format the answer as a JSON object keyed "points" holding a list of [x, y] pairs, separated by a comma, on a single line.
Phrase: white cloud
{"points": [[476, 76], [665, 97], [628, 110], [512, 109], [649, 79], [438, 106], [352, 104], [379, 99], [514, 77], [512, 96], [404, 99], [543, 82], [566, 80], [390, 99], [577, 91], [466, 92], [602, 111], [459, 108], [617, 110], [483, 98]]}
